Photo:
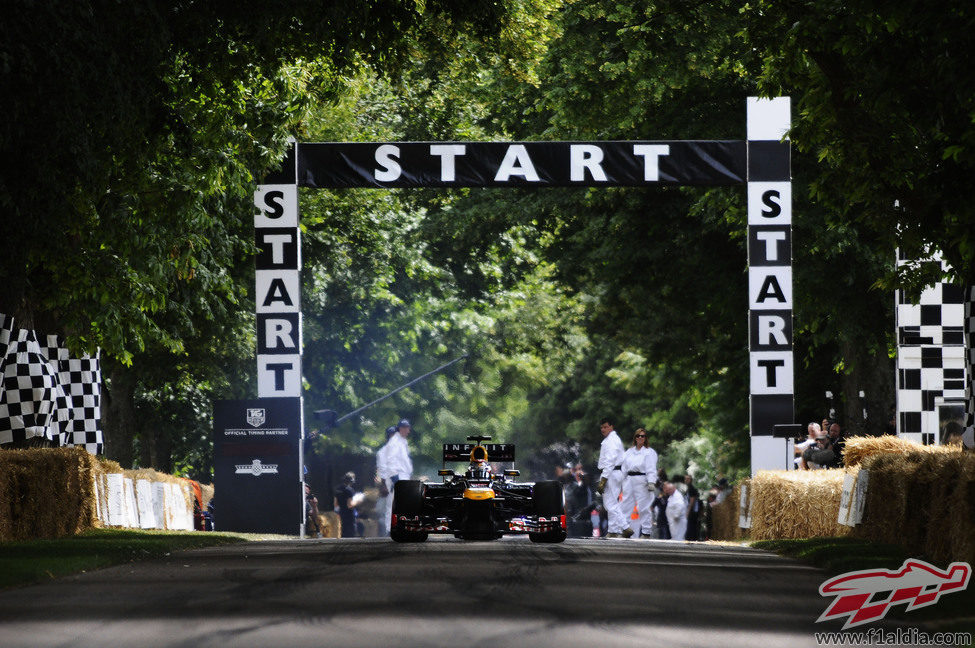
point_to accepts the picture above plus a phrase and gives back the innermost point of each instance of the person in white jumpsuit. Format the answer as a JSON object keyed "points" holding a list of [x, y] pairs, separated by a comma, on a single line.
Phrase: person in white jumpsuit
{"points": [[639, 474], [676, 512], [398, 463], [383, 474], [611, 477]]}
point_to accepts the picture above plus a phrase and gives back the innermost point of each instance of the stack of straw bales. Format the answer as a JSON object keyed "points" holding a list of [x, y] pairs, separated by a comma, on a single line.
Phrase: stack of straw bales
{"points": [[924, 501], [796, 504], [50, 493], [859, 448], [919, 497]]}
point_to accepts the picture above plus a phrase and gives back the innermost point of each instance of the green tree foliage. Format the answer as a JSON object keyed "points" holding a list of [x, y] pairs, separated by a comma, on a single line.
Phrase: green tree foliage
{"points": [[133, 135], [140, 130], [675, 292], [388, 301], [884, 96]]}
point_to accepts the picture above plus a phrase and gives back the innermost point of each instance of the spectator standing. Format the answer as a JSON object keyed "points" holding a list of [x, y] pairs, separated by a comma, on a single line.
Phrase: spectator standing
{"points": [[676, 512], [693, 510], [398, 462], [346, 505], [639, 469], [724, 489], [579, 504], [658, 509], [311, 513], [707, 515], [838, 441], [383, 503], [611, 477], [563, 474]]}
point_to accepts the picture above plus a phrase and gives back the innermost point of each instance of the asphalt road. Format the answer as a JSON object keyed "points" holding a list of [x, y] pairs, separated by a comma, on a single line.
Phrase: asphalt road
{"points": [[445, 592]]}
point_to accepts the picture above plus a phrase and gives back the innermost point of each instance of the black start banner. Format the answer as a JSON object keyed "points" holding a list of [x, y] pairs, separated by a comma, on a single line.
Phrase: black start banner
{"points": [[527, 164], [256, 465]]}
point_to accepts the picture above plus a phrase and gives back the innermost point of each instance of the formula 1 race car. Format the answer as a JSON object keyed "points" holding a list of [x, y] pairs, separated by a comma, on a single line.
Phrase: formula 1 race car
{"points": [[479, 504]]}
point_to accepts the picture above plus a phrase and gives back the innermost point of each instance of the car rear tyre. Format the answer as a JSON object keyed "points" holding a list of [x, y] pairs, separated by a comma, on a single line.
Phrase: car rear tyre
{"points": [[549, 502], [407, 502]]}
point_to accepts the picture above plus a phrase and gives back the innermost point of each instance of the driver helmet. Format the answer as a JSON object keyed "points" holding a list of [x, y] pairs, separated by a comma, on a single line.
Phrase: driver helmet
{"points": [[481, 470]]}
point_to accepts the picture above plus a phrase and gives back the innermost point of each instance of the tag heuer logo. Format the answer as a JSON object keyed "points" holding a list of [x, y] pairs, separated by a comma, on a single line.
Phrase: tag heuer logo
{"points": [[257, 468], [256, 416]]}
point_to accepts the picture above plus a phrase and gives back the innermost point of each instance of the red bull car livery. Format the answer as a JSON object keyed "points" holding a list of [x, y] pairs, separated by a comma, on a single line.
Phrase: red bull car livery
{"points": [[479, 504]]}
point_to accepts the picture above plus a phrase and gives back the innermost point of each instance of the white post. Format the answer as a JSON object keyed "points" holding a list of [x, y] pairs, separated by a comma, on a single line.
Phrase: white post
{"points": [[769, 280]]}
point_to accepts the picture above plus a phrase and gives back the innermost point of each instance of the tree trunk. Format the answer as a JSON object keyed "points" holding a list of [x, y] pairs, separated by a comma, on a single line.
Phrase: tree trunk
{"points": [[879, 388], [118, 411], [159, 440], [872, 374]]}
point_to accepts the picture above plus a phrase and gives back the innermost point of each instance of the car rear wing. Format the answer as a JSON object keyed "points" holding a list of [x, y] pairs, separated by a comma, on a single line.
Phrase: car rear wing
{"points": [[462, 451]]}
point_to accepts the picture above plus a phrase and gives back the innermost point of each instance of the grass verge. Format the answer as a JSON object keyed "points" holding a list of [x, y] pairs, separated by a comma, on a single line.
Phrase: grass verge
{"points": [[33, 561], [952, 613]]}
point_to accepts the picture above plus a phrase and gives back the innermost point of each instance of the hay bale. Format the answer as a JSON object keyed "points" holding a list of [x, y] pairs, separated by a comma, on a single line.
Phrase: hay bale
{"points": [[942, 515], [886, 514], [917, 515], [922, 501], [330, 524], [104, 467], [796, 504], [56, 492], [46, 492], [156, 476], [859, 448], [207, 494], [724, 517], [961, 510]]}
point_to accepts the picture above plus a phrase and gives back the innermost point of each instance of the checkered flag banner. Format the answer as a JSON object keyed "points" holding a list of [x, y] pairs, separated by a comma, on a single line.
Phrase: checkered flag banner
{"points": [[47, 397], [968, 438], [933, 356], [29, 397]]}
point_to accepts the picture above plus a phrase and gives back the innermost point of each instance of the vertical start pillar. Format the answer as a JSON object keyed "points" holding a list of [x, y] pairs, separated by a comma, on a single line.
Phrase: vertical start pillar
{"points": [[772, 389], [258, 462]]}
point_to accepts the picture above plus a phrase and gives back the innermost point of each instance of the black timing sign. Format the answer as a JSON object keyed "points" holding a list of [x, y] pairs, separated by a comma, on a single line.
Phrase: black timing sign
{"points": [[256, 465]]}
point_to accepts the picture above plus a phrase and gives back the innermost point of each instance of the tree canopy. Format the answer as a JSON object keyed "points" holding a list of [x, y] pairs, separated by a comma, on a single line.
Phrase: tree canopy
{"points": [[884, 101], [136, 133]]}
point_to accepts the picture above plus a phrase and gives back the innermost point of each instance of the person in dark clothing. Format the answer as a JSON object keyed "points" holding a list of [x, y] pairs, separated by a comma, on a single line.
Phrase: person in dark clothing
{"points": [[838, 440], [564, 476], [311, 513], [707, 517], [579, 504], [821, 455], [693, 510], [345, 506], [659, 510]]}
